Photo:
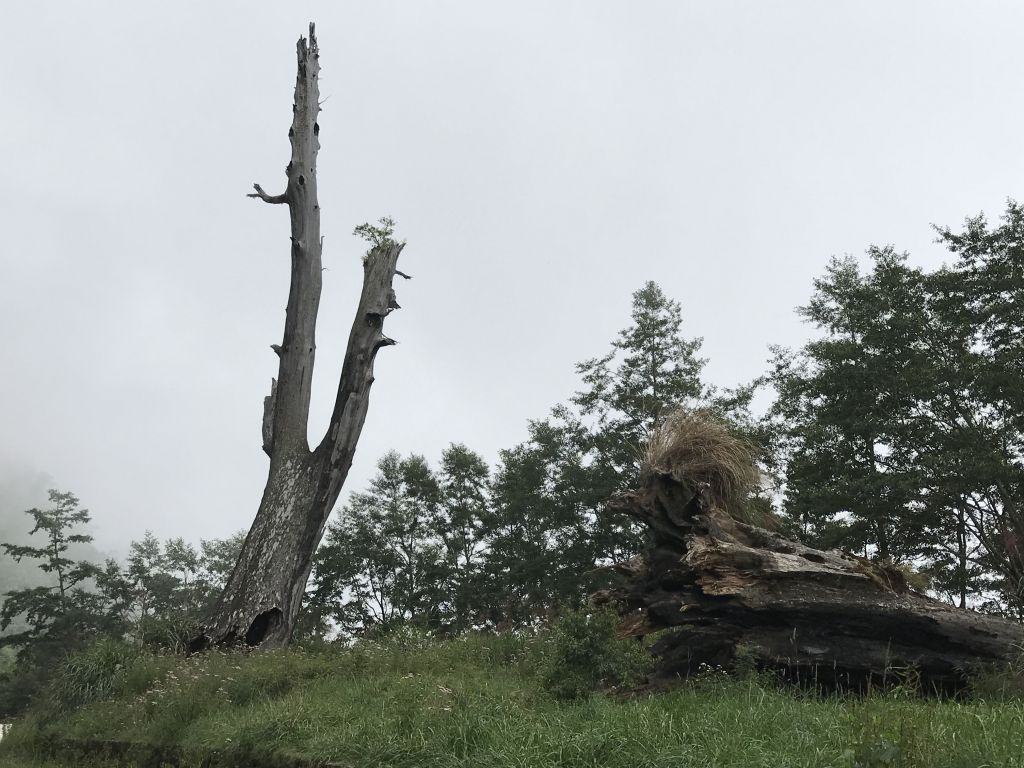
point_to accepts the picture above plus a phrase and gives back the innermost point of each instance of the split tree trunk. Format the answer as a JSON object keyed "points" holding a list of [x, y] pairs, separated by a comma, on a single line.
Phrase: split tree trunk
{"points": [[263, 595], [826, 618]]}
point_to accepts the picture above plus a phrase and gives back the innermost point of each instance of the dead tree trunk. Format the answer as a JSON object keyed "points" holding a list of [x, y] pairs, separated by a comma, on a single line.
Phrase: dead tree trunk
{"points": [[264, 592], [827, 618]]}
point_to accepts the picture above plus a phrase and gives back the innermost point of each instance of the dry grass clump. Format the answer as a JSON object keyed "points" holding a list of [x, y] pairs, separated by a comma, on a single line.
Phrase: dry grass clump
{"points": [[695, 447]]}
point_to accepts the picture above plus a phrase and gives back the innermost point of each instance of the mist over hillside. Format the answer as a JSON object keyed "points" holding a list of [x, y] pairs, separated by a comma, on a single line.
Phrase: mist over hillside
{"points": [[21, 488]]}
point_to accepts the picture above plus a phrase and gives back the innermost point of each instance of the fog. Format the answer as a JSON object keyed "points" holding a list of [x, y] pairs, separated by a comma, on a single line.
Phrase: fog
{"points": [[542, 160]]}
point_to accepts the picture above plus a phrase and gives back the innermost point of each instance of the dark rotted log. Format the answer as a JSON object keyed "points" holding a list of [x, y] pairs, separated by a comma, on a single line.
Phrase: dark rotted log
{"points": [[829, 618]]}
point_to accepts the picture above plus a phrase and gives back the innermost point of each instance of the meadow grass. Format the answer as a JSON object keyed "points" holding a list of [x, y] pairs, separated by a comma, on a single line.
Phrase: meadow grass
{"points": [[476, 701]]}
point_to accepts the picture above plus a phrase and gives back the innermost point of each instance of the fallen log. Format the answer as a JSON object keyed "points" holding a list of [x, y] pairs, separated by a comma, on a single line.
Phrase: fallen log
{"points": [[724, 588]]}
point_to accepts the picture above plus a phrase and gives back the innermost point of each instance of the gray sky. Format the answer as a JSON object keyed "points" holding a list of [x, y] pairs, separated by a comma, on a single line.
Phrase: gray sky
{"points": [[543, 159]]}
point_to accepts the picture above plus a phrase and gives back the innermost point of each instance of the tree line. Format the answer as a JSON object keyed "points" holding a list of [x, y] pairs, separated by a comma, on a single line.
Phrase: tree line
{"points": [[900, 430], [896, 432], [152, 598]]}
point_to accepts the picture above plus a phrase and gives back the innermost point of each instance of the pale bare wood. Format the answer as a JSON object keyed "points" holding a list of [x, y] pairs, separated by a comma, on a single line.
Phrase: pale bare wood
{"points": [[263, 595]]}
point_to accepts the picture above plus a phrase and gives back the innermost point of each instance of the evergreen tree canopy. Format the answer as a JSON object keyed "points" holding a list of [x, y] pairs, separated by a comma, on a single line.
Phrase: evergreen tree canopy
{"points": [[650, 369]]}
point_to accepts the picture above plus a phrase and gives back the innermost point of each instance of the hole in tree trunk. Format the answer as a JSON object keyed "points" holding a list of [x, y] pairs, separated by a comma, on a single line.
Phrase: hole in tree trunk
{"points": [[198, 645], [261, 625]]}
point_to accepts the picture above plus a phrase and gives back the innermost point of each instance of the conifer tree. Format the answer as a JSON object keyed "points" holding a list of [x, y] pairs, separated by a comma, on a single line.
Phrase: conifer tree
{"points": [[650, 369], [61, 615]]}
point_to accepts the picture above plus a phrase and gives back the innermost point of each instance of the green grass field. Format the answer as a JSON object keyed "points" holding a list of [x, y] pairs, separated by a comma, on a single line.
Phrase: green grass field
{"points": [[477, 702]]}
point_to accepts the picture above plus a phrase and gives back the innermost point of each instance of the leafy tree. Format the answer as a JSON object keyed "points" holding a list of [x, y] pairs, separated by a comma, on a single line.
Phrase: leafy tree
{"points": [[55, 524], [217, 557], [378, 566], [462, 510], [539, 548], [182, 560], [55, 612], [901, 429], [58, 616], [147, 572], [980, 423], [549, 533], [650, 369], [844, 403], [172, 584]]}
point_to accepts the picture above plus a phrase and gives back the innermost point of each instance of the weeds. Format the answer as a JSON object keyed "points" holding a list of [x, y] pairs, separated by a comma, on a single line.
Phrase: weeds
{"points": [[696, 447], [1001, 682], [582, 654], [96, 673], [477, 701]]}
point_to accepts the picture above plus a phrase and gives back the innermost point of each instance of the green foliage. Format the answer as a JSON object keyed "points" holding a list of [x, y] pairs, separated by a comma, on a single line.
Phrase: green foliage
{"points": [[475, 700], [1000, 682], [170, 586], [379, 564], [977, 305], [842, 407], [537, 549], [57, 617], [582, 655], [880, 748], [463, 511], [651, 370], [899, 431], [93, 674], [549, 527], [377, 235], [409, 549], [46, 606], [458, 548], [155, 599]]}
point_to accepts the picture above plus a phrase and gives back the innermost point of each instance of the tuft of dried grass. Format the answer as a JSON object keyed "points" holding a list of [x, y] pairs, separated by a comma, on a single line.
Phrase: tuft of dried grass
{"points": [[694, 447]]}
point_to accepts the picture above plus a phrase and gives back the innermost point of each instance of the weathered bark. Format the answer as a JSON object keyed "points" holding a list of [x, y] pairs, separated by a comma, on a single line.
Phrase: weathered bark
{"points": [[828, 618], [264, 592]]}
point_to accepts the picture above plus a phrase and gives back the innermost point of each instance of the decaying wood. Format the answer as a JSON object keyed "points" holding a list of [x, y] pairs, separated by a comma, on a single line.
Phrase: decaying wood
{"points": [[831, 618], [264, 592]]}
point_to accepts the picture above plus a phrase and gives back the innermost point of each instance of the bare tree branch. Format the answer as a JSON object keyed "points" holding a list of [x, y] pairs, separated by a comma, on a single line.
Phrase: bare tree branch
{"points": [[273, 199]]}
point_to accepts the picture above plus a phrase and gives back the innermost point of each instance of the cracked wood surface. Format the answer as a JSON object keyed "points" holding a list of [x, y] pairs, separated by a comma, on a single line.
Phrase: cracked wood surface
{"points": [[827, 617], [264, 592]]}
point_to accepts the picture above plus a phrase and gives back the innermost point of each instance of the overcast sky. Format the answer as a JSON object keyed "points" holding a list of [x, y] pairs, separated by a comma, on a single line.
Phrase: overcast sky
{"points": [[543, 160]]}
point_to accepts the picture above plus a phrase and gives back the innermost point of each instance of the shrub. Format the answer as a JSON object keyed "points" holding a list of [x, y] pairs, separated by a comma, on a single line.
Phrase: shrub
{"points": [[19, 687], [581, 654], [95, 673], [170, 632], [504, 649], [1000, 682]]}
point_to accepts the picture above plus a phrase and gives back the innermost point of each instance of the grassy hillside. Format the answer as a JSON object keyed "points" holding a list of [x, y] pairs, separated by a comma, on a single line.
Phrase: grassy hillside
{"points": [[477, 702]]}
